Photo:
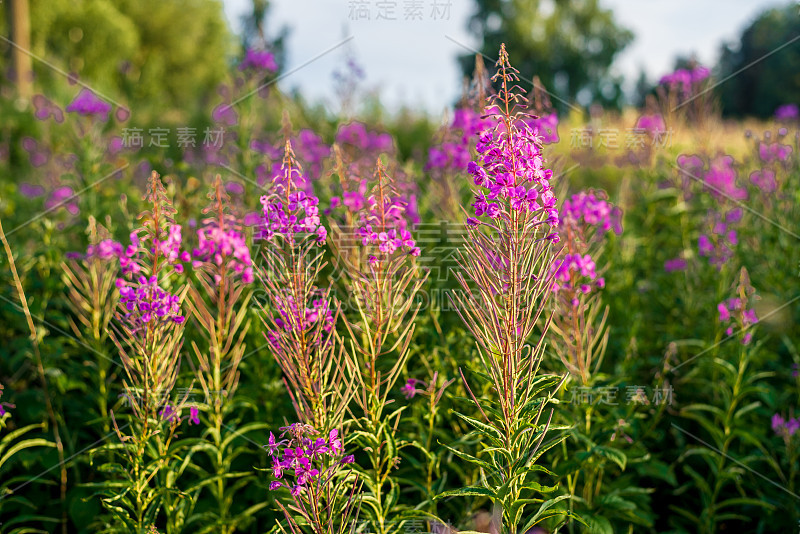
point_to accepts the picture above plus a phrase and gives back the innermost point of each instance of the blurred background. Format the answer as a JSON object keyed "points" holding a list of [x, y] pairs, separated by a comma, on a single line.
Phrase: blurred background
{"points": [[411, 55]]}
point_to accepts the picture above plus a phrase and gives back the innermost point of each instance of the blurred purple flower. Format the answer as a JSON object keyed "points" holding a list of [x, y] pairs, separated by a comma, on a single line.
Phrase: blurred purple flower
{"points": [[721, 179], [787, 112], [652, 124], [60, 197], [225, 114], [259, 60], [234, 187], [675, 264], [252, 219], [87, 103], [764, 180], [46, 109], [116, 145], [39, 156], [227, 248], [546, 127], [168, 413], [784, 428], [588, 208], [30, 190], [774, 151]]}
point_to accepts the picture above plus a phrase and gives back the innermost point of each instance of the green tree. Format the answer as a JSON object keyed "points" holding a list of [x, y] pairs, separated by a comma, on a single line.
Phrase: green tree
{"points": [[254, 34], [764, 68], [155, 53], [569, 44]]}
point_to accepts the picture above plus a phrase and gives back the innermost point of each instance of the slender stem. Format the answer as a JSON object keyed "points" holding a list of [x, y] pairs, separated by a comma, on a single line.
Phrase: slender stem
{"points": [[40, 370]]}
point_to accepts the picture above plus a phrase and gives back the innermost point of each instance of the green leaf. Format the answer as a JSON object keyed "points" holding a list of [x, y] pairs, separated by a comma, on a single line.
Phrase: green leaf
{"points": [[486, 429], [474, 491], [598, 525], [615, 455]]}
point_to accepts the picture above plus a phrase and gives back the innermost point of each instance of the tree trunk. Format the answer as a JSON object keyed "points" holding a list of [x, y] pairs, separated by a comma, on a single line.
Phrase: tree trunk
{"points": [[20, 30]]}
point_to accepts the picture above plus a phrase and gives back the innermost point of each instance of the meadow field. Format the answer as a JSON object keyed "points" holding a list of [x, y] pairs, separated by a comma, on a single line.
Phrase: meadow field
{"points": [[520, 317]]}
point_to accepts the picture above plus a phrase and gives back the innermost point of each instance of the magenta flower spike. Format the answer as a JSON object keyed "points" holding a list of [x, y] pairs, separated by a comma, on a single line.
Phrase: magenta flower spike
{"points": [[505, 271]]}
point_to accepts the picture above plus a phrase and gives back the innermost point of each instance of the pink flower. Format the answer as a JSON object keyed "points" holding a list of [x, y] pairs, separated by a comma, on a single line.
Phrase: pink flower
{"points": [[409, 388], [787, 112], [675, 264], [87, 103], [259, 60]]}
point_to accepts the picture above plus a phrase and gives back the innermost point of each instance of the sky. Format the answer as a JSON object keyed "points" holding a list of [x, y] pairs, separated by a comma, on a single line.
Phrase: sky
{"points": [[409, 53]]}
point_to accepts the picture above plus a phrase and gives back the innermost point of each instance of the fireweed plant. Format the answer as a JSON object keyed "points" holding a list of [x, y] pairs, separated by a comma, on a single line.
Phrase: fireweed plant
{"points": [[593, 462], [240, 112], [90, 281], [299, 317], [683, 96], [322, 488], [223, 269], [505, 273], [147, 331], [787, 456], [375, 256], [585, 218], [88, 149], [727, 424]]}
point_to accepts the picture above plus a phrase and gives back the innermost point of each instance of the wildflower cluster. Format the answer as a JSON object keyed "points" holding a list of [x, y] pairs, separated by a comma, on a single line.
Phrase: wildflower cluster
{"points": [[784, 428], [170, 248], [732, 310], [504, 268], [717, 243], [590, 208], [45, 109], [569, 271], [304, 457], [652, 123], [512, 169], [769, 152], [686, 80], [224, 247], [309, 147], [401, 208], [384, 227], [147, 302], [357, 136], [292, 318], [104, 250], [787, 112], [720, 179], [299, 316], [736, 311], [454, 151], [62, 197], [299, 214], [172, 414], [89, 104], [764, 180], [259, 60]]}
